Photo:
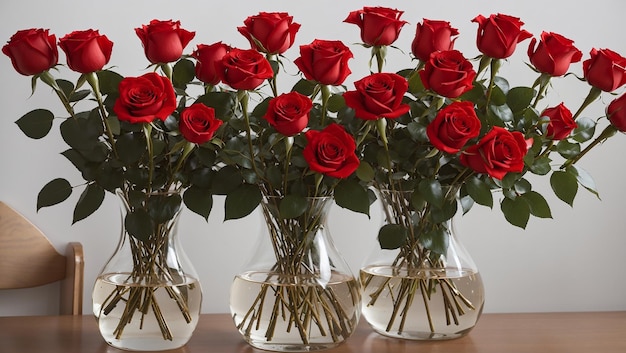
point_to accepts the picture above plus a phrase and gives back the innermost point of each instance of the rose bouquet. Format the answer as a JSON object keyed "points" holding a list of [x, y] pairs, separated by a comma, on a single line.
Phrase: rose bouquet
{"points": [[448, 133], [143, 138]]}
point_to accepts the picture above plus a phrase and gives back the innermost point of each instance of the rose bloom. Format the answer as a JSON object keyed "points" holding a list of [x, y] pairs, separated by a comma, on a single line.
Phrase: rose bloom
{"points": [[378, 96], [379, 25], [145, 98], [207, 59], [32, 51], [324, 61], [453, 126], [553, 54], [605, 69], [448, 73], [163, 41], [198, 123], [616, 112], [432, 36], [270, 32], [561, 122], [86, 51], [289, 113], [497, 153], [331, 151], [499, 34], [244, 69]]}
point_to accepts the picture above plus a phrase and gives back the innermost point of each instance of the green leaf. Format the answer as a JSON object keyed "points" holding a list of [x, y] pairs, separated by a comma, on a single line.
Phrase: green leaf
{"points": [[351, 195], [392, 236], [538, 205], [336, 103], [479, 191], [304, 87], [292, 206], [568, 149], [431, 191], [56, 191], [199, 201], [163, 208], [184, 72], [130, 147], [585, 130], [519, 98], [226, 180], [89, 201], [222, 102], [241, 201], [503, 112], [565, 186], [541, 166], [516, 211], [79, 95], [365, 172], [436, 240], [139, 224], [445, 212], [109, 81], [82, 134], [36, 124], [584, 178]]}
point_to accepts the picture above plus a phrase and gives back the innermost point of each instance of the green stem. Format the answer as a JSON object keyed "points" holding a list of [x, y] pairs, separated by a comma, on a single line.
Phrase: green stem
{"points": [[606, 133], [325, 97], [494, 67], [243, 100], [47, 78], [93, 81], [147, 130], [593, 94]]}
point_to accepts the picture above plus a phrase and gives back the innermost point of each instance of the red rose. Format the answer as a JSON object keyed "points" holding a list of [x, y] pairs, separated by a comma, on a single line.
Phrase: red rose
{"points": [[163, 41], [499, 34], [605, 69], [497, 153], [553, 54], [378, 96], [561, 122], [198, 123], [616, 112], [331, 151], [324, 61], [145, 98], [448, 73], [453, 126], [32, 51], [432, 36], [379, 25], [207, 59], [86, 51], [289, 113], [270, 32], [244, 69]]}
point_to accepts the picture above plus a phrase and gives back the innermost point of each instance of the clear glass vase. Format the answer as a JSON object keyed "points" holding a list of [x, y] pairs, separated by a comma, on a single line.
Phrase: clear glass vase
{"points": [[148, 297], [412, 291], [296, 292]]}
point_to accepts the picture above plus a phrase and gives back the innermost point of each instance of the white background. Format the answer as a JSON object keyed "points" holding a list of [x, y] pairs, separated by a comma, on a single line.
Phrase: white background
{"points": [[574, 262]]}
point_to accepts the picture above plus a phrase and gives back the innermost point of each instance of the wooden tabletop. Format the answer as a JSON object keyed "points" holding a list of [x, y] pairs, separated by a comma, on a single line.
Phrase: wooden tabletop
{"points": [[601, 332]]}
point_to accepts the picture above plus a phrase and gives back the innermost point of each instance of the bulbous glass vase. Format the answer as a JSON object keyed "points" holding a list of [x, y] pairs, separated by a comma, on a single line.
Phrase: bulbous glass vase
{"points": [[296, 292], [148, 297], [426, 288]]}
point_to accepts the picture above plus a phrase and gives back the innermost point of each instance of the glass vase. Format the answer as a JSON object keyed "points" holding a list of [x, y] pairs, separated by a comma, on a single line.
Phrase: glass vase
{"points": [[428, 288], [296, 292], [148, 297]]}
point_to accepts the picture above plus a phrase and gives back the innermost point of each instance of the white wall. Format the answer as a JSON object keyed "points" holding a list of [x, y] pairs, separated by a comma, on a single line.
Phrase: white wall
{"points": [[572, 263]]}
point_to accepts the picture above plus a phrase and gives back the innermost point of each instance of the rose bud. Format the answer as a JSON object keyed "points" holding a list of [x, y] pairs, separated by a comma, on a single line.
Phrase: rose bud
{"points": [[561, 122], [86, 51], [616, 112], [378, 96], [324, 61], [499, 34], [448, 73], [270, 32], [453, 127], [432, 36], [289, 113], [379, 25], [553, 54], [244, 69], [32, 51], [605, 70], [198, 123], [163, 41], [207, 59]]}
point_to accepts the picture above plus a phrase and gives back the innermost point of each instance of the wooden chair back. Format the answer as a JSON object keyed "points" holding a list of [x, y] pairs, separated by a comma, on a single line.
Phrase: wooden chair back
{"points": [[28, 259]]}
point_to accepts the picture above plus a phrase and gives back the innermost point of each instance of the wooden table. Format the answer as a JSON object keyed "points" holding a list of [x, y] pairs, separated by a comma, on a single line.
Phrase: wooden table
{"points": [[601, 332]]}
